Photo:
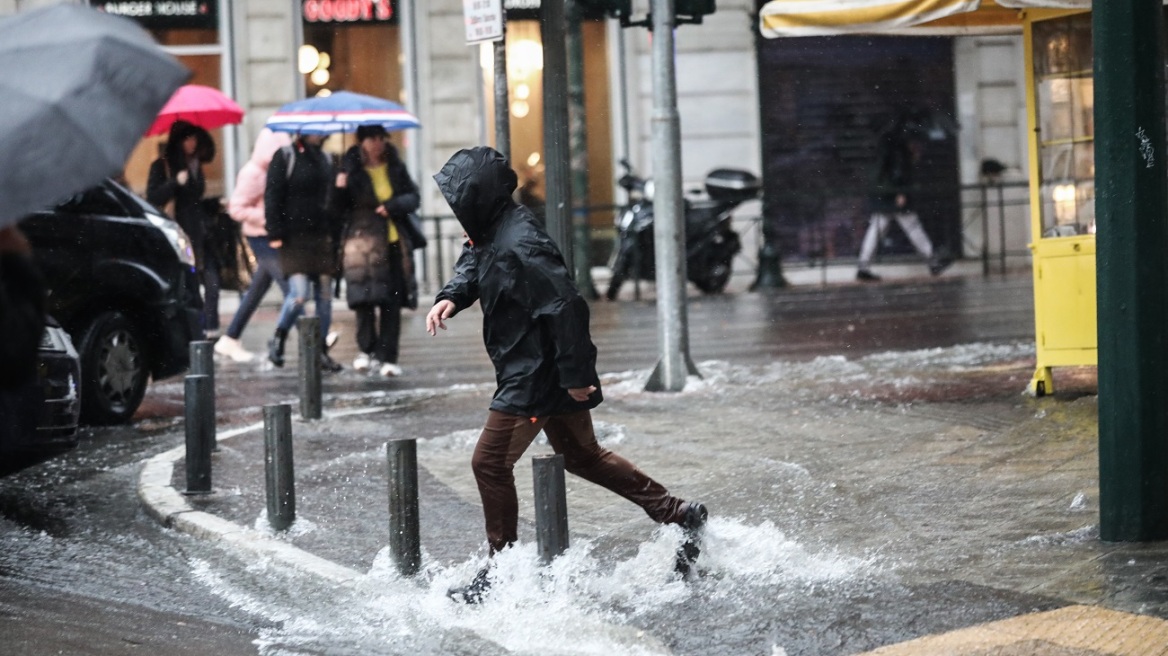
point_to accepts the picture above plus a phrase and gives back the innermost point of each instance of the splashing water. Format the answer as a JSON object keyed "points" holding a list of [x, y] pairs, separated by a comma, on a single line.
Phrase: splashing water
{"points": [[582, 603]]}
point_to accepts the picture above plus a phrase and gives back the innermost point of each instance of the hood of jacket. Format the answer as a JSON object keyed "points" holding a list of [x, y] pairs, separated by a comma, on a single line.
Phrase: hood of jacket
{"points": [[477, 183], [246, 203], [266, 145]]}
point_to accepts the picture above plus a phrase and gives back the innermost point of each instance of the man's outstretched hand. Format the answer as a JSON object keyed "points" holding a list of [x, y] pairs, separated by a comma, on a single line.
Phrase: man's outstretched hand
{"points": [[437, 316], [581, 393]]}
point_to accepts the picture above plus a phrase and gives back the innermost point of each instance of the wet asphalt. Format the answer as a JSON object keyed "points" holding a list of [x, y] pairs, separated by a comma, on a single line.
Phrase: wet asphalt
{"points": [[873, 471], [868, 447]]}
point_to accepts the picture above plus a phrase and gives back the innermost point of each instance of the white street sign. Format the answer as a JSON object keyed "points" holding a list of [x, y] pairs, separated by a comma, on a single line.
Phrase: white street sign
{"points": [[484, 20]]}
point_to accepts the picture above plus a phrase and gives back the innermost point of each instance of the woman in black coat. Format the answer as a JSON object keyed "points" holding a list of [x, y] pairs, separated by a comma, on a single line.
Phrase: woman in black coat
{"points": [[177, 175], [300, 227], [376, 195]]}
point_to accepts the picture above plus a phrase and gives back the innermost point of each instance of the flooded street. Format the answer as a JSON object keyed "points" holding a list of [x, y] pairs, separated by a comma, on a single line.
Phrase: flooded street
{"points": [[872, 470], [84, 570]]}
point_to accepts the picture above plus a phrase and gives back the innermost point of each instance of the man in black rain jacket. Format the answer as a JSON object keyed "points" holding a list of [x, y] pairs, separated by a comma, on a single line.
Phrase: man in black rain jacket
{"points": [[535, 326]]}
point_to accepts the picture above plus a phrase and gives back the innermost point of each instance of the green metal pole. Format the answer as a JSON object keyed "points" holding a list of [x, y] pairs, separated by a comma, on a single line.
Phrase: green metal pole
{"points": [[557, 167], [770, 262], [578, 136], [1131, 207]]}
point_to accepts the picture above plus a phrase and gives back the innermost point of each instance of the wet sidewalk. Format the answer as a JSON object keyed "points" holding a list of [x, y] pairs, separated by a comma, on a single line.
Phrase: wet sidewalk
{"points": [[905, 501]]}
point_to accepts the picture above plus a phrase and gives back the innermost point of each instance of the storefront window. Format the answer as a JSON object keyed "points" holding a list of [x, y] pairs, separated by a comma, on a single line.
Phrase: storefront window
{"points": [[362, 58], [525, 96], [1066, 129], [189, 29], [525, 91]]}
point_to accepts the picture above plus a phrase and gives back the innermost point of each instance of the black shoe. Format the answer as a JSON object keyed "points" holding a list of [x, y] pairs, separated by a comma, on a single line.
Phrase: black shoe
{"points": [[867, 276], [695, 517], [475, 591], [936, 267], [687, 555], [276, 351], [328, 364], [691, 524]]}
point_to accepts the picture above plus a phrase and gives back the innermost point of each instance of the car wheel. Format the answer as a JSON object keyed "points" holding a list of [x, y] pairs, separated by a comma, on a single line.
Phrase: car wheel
{"points": [[113, 370]]}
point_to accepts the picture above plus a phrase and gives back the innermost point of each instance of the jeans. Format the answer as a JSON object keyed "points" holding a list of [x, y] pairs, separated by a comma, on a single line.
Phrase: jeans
{"points": [[909, 222], [267, 271], [294, 300], [506, 437]]}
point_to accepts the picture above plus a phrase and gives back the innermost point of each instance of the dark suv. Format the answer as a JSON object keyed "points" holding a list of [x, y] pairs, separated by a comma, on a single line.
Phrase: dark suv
{"points": [[121, 282]]}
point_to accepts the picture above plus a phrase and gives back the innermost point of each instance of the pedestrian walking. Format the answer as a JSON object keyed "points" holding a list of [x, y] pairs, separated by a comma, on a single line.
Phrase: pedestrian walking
{"points": [[300, 228], [246, 205], [898, 153], [176, 179], [376, 195], [535, 327]]}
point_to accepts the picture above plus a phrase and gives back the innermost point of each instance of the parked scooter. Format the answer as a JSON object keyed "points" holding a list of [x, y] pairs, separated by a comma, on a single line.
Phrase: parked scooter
{"points": [[710, 242]]}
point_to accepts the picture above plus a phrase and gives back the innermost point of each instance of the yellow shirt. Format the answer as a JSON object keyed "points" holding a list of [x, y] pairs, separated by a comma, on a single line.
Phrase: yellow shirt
{"points": [[383, 189]]}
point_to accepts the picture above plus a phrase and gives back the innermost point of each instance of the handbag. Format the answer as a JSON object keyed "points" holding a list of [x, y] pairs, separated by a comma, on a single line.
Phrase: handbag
{"points": [[413, 228], [411, 279], [412, 293], [228, 249]]}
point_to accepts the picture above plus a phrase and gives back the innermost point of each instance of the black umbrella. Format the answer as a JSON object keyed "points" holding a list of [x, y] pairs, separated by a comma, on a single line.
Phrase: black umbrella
{"points": [[78, 90]]}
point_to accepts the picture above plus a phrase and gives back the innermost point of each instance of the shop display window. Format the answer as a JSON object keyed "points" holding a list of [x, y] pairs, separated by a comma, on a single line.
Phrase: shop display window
{"points": [[1065, 89]]}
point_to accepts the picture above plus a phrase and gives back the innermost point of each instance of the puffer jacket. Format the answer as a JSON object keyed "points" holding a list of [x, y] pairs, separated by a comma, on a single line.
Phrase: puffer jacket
{"points": [[370, 274], [535, 322], [246, 204]]}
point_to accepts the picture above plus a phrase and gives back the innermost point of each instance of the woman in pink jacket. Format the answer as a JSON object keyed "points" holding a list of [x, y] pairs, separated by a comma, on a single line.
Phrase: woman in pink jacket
{"points": [[246, 205]]}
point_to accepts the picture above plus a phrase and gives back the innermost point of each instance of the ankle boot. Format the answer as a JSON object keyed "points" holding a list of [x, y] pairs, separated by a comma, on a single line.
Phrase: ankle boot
{"points": [[276, 347], [474, 592], [326, 362]]}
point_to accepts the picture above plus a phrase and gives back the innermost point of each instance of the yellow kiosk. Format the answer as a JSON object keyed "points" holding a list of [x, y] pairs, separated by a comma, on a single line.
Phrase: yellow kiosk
{"points": [[1060, 106], [1060, 103]]}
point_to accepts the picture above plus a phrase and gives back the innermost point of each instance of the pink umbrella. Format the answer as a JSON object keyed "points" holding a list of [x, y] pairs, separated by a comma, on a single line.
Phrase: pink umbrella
{"points": [[203, 106]]}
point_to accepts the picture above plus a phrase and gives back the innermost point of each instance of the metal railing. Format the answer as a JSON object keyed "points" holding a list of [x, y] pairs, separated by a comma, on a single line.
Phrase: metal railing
{"points": [[1000, 205], [995, 224]]}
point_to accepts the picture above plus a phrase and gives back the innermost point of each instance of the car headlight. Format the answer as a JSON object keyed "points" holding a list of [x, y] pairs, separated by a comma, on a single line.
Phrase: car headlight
{"points": [[175, 236], [649, 189], [54, 339]]}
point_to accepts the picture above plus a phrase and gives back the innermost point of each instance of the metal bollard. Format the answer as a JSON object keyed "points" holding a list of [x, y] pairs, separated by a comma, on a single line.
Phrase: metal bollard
{"points": [[278, 471], [405, 544], [202, 356], [200, 430], [551, 507], [309, 329]]}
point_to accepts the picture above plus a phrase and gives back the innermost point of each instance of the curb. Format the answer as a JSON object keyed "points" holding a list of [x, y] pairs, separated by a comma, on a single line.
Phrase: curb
{"points": [[170, 509]]}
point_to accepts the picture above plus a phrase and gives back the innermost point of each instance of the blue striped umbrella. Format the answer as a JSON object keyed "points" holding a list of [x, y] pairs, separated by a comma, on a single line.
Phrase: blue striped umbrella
{"points": [[341, 111]]}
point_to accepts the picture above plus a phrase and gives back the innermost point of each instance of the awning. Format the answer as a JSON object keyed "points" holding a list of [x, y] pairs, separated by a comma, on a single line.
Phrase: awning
{"points": [[1046, 4], [782, 18]]}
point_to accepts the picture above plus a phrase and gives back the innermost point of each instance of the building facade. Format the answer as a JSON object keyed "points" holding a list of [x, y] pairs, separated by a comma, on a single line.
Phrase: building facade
{"points": [[265, 53]]}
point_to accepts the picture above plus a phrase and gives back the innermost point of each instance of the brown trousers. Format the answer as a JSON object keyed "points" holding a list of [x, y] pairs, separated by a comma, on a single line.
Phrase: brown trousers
{"points": [[506, 437]]}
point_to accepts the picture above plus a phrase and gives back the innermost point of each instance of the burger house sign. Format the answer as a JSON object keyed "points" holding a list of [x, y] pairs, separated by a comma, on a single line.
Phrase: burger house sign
{"points": [[180, 14], [349, 11]]}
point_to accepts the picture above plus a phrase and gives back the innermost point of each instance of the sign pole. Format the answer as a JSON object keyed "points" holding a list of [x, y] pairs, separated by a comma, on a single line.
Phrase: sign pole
{"points": [[668, 218]]}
